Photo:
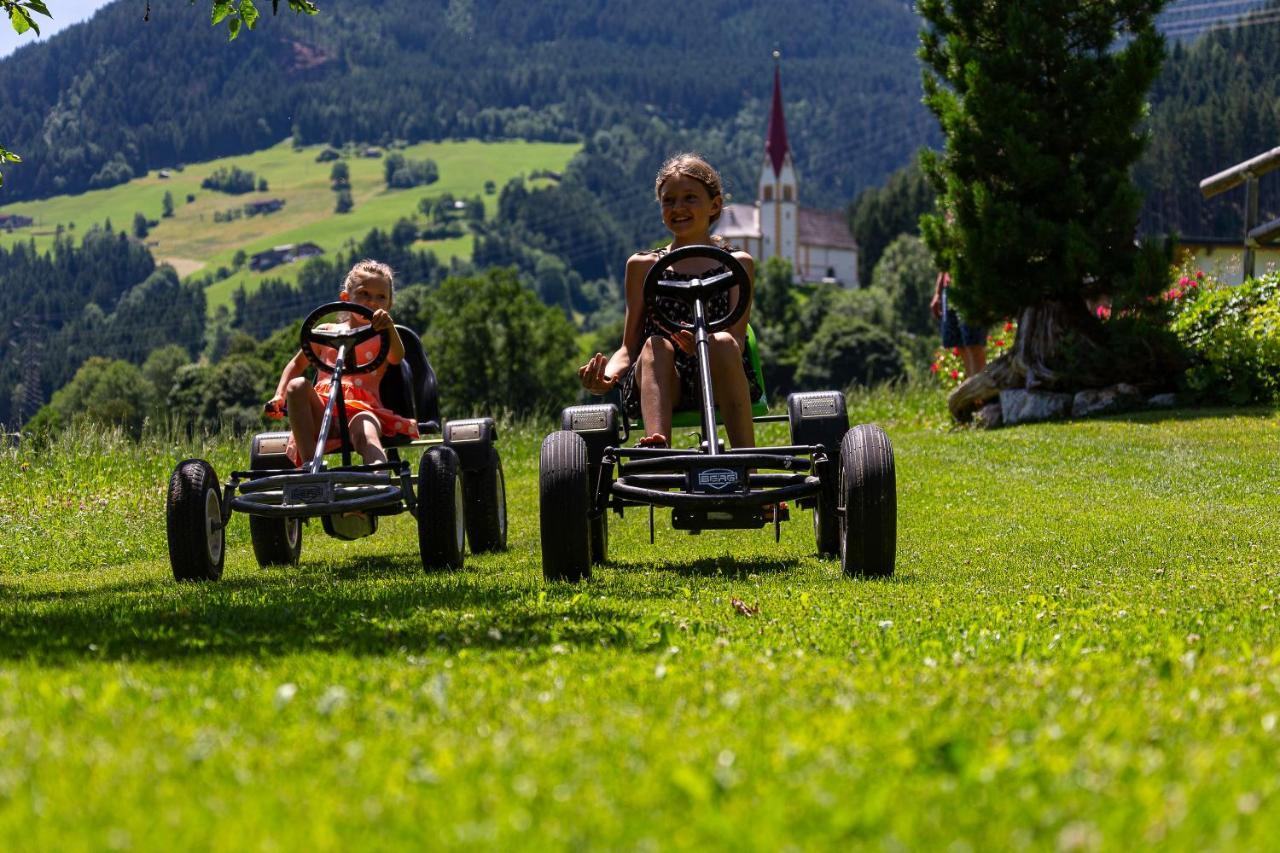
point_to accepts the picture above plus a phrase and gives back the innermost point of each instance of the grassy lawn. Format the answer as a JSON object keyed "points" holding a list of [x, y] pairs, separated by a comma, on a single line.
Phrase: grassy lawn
{"points": [[1080, 649], [192, 241]]}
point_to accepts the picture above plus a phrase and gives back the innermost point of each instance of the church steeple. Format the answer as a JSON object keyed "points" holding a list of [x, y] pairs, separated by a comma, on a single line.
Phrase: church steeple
{"points": [[775, 140]]}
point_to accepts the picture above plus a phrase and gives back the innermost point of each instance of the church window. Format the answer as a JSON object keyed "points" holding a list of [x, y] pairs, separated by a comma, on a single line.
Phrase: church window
{"points": [[786, 193], [768, 193]]}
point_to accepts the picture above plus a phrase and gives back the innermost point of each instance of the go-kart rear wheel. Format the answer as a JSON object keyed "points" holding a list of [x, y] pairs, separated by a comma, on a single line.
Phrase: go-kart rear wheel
{"points": [[486, 493], [193, 515], [563, 506], [600, 539], [868, 486], [441, 512], [276, 541]]}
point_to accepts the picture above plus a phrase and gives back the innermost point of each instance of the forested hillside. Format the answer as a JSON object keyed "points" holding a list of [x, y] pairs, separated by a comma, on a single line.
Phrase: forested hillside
{"points": [[116, 96]]}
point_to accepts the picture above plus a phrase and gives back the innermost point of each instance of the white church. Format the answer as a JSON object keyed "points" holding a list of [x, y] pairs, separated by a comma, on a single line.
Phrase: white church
{"points": [[817, 242]]}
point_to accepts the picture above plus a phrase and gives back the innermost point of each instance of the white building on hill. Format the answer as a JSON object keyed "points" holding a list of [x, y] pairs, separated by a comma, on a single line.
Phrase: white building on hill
{"points": [[817, 242]]}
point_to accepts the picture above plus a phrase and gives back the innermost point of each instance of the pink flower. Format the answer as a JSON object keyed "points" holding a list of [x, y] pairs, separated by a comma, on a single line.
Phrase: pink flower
{"points": [[1184, 281], [1008, 326], [933, 368], [955, 374], [1200, 275], [1104, 312], [955, 351], [1000, 342]]}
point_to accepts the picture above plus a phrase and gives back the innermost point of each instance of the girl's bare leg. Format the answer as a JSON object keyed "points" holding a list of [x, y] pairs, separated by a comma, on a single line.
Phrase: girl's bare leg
{"points": [[366, 438], [305, 413], [659, 387], [733, 394]]}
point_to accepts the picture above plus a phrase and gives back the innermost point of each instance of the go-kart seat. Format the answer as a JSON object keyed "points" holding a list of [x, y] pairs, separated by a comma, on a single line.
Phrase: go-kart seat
{"points": [[409, 388], [687, 418]]}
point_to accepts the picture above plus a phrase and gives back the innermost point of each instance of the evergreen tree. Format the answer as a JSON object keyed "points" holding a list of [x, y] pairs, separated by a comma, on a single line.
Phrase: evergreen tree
{"points": [[1040, 104], [167, 205]]}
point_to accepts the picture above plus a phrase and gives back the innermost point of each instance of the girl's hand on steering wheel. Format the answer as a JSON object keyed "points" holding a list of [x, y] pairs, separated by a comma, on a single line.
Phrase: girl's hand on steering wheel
{"points": [[684, 339], [593, 377], [275, 408], [381, 320]]}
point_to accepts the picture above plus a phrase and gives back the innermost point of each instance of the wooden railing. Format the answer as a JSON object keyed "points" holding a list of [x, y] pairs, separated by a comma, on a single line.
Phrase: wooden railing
{"points": [[1247, 173]]}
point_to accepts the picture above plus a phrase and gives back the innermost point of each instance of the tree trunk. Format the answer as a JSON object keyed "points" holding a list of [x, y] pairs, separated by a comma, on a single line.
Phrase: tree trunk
{"points": [[1038, 360]]}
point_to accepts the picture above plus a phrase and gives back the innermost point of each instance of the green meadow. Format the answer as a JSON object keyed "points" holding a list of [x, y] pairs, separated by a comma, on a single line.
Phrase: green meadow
{"points": [[193, 242], [1080, 650]]}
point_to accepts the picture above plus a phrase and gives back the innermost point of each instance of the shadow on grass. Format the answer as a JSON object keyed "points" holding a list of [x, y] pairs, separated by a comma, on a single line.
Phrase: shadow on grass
{"points": [[722, 566], [370, 607], [1155, 416]]}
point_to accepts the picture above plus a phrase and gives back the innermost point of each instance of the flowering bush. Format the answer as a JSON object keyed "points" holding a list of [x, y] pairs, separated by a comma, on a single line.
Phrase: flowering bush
{"points": [[947, 366], [1231, 335]]}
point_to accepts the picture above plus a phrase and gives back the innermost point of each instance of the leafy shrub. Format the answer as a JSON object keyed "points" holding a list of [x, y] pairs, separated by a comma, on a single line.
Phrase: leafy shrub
{"points": [[233, 180], [947, 366], [403, 173], [1231, 335], [848, 351]]}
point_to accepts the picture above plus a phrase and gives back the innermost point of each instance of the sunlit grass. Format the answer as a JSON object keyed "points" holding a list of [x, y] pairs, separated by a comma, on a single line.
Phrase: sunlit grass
{"points": [[1079, 649]]}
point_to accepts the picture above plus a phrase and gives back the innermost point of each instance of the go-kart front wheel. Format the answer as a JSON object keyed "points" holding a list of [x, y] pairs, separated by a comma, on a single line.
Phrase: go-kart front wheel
{"points": [[193, 515], [441, 514], [276, 541], [486, 493], [563, 505], [868, 487]]}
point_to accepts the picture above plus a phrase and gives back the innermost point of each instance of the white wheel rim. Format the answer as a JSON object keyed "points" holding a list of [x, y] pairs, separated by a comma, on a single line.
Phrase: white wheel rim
{"points": [[458, 513], [213, 526], [292, 530]]}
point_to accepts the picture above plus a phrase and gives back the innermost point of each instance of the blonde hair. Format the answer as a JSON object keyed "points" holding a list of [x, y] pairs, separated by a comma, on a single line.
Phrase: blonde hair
{"points": [[368, 269], [691, 165]]}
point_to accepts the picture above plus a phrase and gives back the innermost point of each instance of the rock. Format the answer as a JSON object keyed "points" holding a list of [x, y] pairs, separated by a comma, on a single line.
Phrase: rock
{"points": [[1095, 401], [989, 416], [1163, 401], [1020, 407]]}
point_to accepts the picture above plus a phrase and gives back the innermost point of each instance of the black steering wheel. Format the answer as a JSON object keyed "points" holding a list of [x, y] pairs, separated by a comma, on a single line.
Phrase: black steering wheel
{"points": [[734, 275], [350, 338]]}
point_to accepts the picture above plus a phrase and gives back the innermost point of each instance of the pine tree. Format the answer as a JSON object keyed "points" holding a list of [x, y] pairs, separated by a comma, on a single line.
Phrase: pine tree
{"points": [[1041, 105]]}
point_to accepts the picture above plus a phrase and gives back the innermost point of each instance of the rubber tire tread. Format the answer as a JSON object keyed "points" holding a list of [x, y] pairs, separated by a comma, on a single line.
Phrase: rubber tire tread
{"points": [[484, 491], [564, 503], [826, 516], [437, 512], [868, 484], [271, 542], [184, 522]]}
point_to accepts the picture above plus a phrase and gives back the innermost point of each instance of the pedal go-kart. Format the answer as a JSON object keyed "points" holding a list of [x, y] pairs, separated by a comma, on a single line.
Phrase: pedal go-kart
{"points": [[458, 493], [846, 476]]}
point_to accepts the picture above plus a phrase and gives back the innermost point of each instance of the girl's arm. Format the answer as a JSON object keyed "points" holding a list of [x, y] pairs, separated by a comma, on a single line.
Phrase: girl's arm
{"points": [[382, 320], [296, 366], [599, 375], [739, 329]]}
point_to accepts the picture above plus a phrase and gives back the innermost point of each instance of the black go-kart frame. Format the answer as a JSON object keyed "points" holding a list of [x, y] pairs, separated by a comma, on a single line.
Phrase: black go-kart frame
{"points": [[846, 476], [459, 492]]}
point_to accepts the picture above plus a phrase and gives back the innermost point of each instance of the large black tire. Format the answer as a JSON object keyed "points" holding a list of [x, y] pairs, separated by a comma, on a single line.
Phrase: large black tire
{"points": [[486, 494], [563, 506], [441, 510], [600, 539], [276, 541], [193, 516], [868, 486]]}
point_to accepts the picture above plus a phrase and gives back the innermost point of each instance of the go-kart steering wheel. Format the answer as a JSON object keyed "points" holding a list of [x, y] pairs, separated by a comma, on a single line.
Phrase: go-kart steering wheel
{"points": [[350, 337], [734, 275]]}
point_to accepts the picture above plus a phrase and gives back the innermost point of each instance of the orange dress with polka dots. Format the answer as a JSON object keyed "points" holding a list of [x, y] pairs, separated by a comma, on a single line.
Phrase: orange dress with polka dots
{"points": [[360, 393]]}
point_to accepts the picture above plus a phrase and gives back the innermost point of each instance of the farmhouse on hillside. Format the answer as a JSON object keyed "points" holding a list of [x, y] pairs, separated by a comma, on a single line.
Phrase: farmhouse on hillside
{"points": [[285, 254], [818, 243], [10, 221]]}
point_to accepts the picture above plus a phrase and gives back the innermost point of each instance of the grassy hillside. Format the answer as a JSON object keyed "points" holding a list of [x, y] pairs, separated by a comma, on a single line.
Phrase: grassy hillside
{"points": [[193, 242], [1080, 650]]}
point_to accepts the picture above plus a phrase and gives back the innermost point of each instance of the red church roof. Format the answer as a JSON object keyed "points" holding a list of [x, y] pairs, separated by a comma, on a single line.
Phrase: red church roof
{"points": [[775, 140]]}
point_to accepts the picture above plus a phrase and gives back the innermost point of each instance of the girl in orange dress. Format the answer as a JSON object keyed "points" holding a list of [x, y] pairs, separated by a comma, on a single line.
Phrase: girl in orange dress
{"points": [[372, 285]]}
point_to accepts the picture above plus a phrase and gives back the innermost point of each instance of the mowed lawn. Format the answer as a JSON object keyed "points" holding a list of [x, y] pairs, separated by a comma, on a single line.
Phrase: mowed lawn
{"points": [[1080, 649], [193, 242]]}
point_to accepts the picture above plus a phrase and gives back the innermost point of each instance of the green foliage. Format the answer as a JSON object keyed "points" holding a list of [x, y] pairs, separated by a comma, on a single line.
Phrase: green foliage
{"points": [[496, 348], [907, 275], [226, 396], [232, 180], [162, 366], [401, 173], [103, 391], [140, 226], [344, 203], [1232, 335], [340, 175], [167, 205], [846, 351], [1041, 104], [881, 214]]}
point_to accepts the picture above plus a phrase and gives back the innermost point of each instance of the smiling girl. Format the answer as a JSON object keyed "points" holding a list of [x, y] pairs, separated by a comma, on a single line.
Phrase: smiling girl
{"points": [[656, 373]]}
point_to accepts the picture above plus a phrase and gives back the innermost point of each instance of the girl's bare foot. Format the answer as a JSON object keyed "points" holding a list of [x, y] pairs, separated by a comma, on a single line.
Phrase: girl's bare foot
{"points": [[655, 440]]}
